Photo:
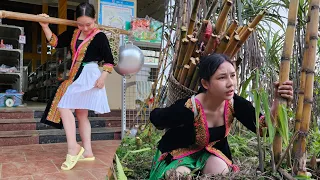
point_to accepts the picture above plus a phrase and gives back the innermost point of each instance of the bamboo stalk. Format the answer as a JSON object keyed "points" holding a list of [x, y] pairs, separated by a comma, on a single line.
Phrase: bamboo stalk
{"points": [[187, 55], [196, 53], [299, 110], [239, 29], [232, 45], [308, 98], [243, 39], [284, 67], [190, 72], [182, 52], [232, 28], [258, 18], [243, 30], [197, 85], [183, 35], [222, 17], [193, 16], [184, 74], [51, 20], [195, 78], [210, 45], [184, 13], [223, 44]]}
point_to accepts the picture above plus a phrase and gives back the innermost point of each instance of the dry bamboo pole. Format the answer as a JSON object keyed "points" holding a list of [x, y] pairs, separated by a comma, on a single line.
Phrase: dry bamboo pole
{"points": [[182, 52], [231, 45], [187, 55], [193, 16], [299, 111], [197, 85], [51, 20], [190, 72], [223, 44], [243, 30], [308, 97], [257, 19], [222, 17], [195, 78], [183, 35], [210, 45], [184, 13], [284, 68], [243, 39], [232, 28], [184, 74]]}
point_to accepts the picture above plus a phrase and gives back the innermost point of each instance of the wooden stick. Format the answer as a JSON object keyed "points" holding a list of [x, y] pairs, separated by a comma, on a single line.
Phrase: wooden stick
{"points": [[190, 72], [51, 20], [285, 174], [184, 74]]}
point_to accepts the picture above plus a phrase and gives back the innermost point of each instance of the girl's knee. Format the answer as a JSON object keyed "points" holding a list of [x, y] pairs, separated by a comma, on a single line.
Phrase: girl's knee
{"points": [[81, 113], [215, 165]]}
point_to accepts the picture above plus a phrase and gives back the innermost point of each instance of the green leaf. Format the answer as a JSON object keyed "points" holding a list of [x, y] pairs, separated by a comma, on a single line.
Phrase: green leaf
{"points": [[283, 123], [119, 170], [267, 116], [245, 85]]}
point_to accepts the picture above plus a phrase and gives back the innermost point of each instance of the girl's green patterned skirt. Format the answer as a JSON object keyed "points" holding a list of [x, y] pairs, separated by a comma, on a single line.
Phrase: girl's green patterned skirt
{"points": [[195, 162]]}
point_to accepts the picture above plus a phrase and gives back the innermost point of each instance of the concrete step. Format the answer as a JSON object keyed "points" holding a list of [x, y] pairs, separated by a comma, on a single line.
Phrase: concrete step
{"points": [[24, 137]]}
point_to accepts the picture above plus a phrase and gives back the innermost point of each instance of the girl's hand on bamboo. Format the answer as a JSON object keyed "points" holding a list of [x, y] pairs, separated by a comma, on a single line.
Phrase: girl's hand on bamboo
{"points": [[285, 90], [43, 24]]}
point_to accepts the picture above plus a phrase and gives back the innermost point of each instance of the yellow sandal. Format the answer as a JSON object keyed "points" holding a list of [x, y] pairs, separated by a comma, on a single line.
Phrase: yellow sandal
{"points": [[71, 161], [82, 158]]}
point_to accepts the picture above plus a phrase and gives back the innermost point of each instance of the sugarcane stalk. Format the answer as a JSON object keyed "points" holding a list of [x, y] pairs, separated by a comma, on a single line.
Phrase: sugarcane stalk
{"points": [[257, 19], [183, 35], [232, 45], [243, 30], [232, 28], [184, 13], [195, 78], [202, 29], [197, 85], [308, 98], [184, 74], [190, 72], [193, 16], [243, 39], [284, 67], [187, 55], [299, 111], [223, 44], [222, 17], [210, 45], [182, 52], [196, 53], [239, 29]]}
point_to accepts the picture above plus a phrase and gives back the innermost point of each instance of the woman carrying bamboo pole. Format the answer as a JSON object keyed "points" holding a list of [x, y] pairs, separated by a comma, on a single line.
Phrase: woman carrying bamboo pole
{"points": [[85, 87], [198, 126]]}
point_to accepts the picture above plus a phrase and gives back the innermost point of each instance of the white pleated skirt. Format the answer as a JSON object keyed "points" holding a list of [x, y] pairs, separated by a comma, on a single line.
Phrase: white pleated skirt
{"points": [[82, 94]]}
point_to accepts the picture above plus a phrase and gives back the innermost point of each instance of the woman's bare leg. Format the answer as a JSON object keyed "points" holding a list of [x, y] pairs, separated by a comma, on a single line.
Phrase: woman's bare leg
{"points": [[85, 131]]}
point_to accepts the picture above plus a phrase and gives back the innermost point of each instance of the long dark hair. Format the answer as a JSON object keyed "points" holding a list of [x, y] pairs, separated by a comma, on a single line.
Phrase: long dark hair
{"points": [[209, 65], [85, 9]]}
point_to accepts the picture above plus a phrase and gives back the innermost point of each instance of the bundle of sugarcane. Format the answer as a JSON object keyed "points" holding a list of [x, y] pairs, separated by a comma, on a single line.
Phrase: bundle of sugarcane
{"points": [[226, 37]]}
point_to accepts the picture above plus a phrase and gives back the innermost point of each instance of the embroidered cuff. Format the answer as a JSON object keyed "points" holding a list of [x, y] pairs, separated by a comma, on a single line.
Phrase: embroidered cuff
{"points": [[53, 40], [107, 67]]}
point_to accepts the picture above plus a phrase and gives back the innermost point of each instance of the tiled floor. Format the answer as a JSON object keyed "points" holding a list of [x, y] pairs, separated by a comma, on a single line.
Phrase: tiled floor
{"points": [[43, 161]]}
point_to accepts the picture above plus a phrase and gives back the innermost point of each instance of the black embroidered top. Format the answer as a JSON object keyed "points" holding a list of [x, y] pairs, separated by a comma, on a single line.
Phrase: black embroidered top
{"points": [[180, 121]]}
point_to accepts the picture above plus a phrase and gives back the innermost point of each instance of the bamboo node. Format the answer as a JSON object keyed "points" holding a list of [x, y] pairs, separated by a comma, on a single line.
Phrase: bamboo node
{"points": [[309, 101], [298, 120], [309, 71], [301, 133], [314, 37], [314, 7], [291, 23], [285, 59]]}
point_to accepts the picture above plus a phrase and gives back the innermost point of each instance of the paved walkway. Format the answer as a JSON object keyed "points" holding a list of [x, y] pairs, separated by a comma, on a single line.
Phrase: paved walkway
{"points": [[43, 161]]}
